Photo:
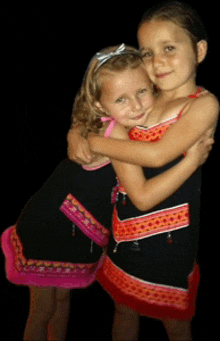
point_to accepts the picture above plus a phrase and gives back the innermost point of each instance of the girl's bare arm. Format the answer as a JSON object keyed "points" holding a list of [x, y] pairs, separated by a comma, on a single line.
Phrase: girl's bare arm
{"points": [[200, 118], [145, 194]]}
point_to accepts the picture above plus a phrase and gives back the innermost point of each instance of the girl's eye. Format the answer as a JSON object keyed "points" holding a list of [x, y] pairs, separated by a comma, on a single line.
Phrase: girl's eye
{"points": [[169, 48], [142, 91], [147, 55], [120, 100]]}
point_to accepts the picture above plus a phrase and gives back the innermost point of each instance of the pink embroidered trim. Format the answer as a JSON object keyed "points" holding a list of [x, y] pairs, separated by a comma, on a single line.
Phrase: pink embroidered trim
{"points": [[24, 271], [79, 215], [150, 224]]}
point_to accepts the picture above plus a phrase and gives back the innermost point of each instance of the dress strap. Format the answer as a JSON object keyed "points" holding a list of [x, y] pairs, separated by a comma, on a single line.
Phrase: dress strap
{"points": [[195, 95], [181, 112], [110, 126]]}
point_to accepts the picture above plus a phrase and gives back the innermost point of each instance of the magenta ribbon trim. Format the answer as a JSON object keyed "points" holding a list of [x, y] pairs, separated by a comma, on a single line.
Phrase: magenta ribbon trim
{"points": [[84, 220]]}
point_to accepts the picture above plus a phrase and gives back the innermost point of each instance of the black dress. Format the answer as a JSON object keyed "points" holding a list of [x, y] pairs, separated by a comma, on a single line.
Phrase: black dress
{"points": [[151, 262], [47, 247]]}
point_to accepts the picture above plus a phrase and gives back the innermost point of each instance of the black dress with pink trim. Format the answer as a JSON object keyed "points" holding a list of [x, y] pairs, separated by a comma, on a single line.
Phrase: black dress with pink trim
{"points": [[61, 233], [150, 266]]}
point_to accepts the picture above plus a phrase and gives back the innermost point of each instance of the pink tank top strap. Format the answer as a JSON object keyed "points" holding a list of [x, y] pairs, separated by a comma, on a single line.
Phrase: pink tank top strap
{"points": [[110, 126]]}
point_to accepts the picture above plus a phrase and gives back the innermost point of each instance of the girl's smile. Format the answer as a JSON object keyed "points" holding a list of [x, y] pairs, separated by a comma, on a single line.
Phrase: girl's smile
{"points": [[162, 75]]}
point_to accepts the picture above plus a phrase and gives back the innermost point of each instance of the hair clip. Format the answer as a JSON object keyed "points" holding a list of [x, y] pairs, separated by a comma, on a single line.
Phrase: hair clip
{"points": [[103, 57]]}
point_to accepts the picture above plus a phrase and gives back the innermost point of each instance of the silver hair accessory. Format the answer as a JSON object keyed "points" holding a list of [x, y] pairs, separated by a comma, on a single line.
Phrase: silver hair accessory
{"points": [[103, 57]]}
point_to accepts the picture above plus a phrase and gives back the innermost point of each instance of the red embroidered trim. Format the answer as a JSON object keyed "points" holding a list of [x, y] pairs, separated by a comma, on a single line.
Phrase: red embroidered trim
{"points": [[151, 134], [157, 294], [47, 268], [80, 216], [150, 224]]}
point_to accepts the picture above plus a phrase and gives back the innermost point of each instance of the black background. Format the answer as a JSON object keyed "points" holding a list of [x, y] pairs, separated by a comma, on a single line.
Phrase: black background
{"points": [[46, 48]]}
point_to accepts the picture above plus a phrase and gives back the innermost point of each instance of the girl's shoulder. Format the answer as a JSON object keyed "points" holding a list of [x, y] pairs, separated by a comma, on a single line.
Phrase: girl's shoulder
{"points": [[204, 94], [202, 105], [111, 128], [204, 101], [202, 112], [209, 98], [119, 132]]}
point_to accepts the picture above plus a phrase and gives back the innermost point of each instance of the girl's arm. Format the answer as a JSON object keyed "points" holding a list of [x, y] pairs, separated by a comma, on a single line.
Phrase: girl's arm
{"points": [[145, 194], [200, 117]]}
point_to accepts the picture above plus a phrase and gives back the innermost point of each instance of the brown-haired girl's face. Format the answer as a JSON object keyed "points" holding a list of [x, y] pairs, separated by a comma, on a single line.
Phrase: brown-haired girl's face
{"points": [[168, 53], [127, 96]]}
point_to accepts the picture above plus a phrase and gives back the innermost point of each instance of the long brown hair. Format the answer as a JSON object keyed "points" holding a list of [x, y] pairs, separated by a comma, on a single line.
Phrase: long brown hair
{"points": [[85, 113]]}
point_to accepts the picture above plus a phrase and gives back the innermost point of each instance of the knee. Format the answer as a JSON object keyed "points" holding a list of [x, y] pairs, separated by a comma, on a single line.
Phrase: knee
{"points": [[63, 295]]}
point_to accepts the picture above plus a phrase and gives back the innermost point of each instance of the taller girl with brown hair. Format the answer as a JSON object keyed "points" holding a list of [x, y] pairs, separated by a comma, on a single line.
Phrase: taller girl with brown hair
{"points": [[151, 266]]}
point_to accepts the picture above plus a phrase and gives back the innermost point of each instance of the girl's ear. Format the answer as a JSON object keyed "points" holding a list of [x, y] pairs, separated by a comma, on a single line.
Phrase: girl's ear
{"points": [[202, 47], [99, 106]]}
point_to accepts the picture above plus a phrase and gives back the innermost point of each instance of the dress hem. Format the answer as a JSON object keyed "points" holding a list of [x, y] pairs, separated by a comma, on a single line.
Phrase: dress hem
{"points": [[45, 273], [150, 299]]}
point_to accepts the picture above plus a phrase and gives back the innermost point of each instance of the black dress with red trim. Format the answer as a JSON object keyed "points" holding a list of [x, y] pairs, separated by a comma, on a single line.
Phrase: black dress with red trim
{"points": [[150, 266], [61, 233]]}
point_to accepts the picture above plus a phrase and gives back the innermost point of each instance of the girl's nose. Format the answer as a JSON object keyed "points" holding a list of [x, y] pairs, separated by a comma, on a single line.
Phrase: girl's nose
{"points": [[136, 104], [158, 60]]}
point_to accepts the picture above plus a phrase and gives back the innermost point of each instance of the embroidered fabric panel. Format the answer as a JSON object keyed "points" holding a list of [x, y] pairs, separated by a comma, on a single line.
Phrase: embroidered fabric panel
{"points": [[80, 216], [160, 295], [150, 224], [47, 268], [152, 134]]}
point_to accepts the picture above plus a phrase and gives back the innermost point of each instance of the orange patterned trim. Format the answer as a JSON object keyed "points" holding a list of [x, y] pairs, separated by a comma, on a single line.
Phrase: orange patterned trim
{"points": [[153, 133], [147, 292], [150, 224]]}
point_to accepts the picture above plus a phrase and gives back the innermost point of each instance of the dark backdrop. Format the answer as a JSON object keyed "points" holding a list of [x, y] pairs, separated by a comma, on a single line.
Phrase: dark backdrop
{"points": [[46, 49]]}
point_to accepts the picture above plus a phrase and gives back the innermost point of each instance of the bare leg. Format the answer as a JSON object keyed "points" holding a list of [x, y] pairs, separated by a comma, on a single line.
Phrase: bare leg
{"points": [[57, 327], [42, 307], [178, 330], [125, 324]]}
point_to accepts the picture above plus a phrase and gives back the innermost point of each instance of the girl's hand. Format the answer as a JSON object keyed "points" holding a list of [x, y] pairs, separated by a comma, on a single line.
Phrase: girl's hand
{"points": [[78, 148], [200, 151]]}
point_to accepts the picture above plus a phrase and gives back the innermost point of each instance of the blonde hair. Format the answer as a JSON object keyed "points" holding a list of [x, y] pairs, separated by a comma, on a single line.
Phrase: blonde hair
{"points": [[85, 113]]}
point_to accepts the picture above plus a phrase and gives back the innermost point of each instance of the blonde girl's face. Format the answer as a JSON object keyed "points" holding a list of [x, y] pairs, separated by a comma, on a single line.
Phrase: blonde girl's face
{"points": [[127, 96], [168, 53]]}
